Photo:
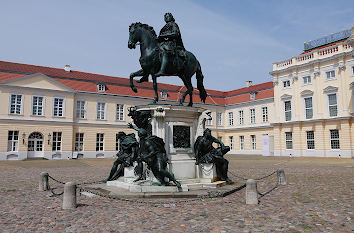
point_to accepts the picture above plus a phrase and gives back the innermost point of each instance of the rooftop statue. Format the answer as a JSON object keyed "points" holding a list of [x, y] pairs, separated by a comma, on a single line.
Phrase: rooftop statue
{"points": [[165, 55]]}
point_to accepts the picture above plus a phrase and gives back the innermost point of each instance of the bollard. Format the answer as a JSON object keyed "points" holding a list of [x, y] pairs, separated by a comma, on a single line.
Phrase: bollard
{"points": [[251, 192], [281, 177], [69, 199], [43, 181]]}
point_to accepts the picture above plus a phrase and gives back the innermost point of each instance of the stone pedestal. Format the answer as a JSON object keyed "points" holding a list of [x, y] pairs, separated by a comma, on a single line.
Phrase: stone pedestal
{"points": [[177, 126]]}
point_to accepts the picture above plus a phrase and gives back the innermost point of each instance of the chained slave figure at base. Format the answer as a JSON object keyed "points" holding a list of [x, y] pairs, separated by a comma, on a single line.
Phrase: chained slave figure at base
{"points": [[206, 153]]}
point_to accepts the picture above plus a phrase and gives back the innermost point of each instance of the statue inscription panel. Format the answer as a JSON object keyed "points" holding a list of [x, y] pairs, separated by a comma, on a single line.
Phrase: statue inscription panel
{"points": [[181, 136]]}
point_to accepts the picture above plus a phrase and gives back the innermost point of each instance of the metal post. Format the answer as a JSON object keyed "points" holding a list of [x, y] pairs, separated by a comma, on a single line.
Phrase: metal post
{"points": [[281, 177], [251, 192], [43, 181], [69, 199]]}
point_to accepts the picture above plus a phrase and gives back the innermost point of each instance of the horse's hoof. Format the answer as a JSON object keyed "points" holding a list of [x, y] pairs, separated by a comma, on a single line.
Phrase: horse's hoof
{"points": [[190, 105]]}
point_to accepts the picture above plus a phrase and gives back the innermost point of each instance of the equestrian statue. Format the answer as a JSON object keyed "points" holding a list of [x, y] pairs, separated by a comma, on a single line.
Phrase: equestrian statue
{"points": [[165, 55]]}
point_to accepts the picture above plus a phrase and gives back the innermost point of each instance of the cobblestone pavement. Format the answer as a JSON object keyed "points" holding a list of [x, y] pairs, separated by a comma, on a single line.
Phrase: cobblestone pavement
{"points": [[317, 198]]}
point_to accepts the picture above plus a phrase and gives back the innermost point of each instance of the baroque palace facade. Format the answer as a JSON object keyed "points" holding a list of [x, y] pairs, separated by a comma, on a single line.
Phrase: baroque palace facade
{"points": [[307, 109]]}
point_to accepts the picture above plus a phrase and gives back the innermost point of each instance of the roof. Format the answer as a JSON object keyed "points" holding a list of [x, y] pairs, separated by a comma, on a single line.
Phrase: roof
{"points": [[87, 82]]}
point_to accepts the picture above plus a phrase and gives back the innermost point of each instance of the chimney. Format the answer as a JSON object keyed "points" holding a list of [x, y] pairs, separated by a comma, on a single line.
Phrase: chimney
{"points": [[248, 83], [67, 68]]}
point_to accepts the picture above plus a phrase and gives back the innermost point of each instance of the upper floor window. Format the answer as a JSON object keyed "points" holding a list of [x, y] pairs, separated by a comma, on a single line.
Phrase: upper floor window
{"points": [[37, 105], [287, 110], [16, 104], [101, 87], [307, 80], [334, 139], [56, 145], [219, 118], [252, 115], [58, 107], [332, 105], [286, 83], [120, 112], [101, 111], [308, 108], [240, 117], [79, 141], [209, 121], [12, 141], [265, 114], [330, 74], [231, 118], [81, 109]]}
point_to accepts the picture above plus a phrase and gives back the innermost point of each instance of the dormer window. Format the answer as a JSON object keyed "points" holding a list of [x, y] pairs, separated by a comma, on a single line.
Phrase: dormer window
{"points": [[253, 95], [164, 94], [101, 87]]}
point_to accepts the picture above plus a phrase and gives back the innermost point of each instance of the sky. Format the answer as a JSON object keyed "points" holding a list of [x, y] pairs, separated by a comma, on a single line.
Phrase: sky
{"points": [[233, 40]]}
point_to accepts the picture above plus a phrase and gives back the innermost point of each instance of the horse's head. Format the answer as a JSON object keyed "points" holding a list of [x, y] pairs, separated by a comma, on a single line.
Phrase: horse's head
{"points": [[134, 36]]}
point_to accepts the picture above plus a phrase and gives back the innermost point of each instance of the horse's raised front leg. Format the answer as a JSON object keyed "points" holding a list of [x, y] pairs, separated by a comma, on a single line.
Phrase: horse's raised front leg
{"points": [[154, 84], [132, 75]]}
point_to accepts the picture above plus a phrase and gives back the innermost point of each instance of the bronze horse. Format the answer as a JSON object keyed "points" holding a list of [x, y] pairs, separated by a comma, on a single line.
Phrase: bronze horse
{"points": [[150, 63]]}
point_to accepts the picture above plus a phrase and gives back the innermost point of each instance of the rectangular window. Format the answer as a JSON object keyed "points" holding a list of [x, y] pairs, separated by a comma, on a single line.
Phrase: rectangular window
{"points": [[99, 141], [252, 115], [16, 104], [12, 141], [288, 140], [332, 105], [286, 83], [265, 114], [56, 145], [231, 118], [79, 141], [334, 139], [81, 109], [58, 106], [330, 74], [287, 110], [253, 141], [209, 121], [242, 142], [37, 105], [117, 143], [310, 139], [308, 108], [240, 117], [101, 111], [231, 139], [219, 118], [307, 80], [120, 112]]}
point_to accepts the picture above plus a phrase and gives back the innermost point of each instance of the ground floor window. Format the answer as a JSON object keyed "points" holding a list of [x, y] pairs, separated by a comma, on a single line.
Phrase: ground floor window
{"points": [[310, 139], [79, 141], [289, 140], [231, 139], [117, 143], [242, 142], [334, 139], [253, 140], [99, 141], [56, 145], [12, 143]]}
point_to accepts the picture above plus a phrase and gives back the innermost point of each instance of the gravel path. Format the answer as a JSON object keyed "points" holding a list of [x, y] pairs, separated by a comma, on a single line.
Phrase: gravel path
{"points": [[318, 198]]}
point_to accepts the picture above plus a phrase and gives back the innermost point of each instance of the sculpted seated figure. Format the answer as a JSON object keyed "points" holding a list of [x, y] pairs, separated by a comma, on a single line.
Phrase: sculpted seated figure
{"points": [[206, 153], [127, 154]]}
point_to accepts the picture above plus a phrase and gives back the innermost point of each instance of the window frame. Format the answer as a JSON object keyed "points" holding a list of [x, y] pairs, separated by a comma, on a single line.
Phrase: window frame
{"points": [[80, 110], [63, 107], [312, 140], [253, 142], [265, 115], [242, 142], [289, 141], [286, 84], [252, 117], [332, 140], [21, 106], [43, 105], [330, 71], [79, 142], [284, 107], [57, 143], [219, 120], [99, 143], [99, 89], [241, 117], [13, 143], [100, 111], [328, 104], [305, 107], [231, 142], [305, 77], [230, 120], [117, 111]]}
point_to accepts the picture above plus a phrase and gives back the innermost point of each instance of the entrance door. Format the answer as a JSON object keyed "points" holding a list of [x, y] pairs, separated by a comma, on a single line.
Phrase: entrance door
{"points": [[35, 145]]}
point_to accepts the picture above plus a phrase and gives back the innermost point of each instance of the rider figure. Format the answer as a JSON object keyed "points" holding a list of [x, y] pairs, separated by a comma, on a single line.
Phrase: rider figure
{"points": [[171, 44]]}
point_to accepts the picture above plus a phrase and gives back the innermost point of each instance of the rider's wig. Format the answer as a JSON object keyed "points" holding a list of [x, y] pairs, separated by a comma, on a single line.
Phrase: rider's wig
{"points": [[171, 16]]}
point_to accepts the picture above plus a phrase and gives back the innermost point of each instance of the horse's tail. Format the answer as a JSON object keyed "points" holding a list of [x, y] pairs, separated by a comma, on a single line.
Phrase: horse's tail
{"points": [[202, 93]]}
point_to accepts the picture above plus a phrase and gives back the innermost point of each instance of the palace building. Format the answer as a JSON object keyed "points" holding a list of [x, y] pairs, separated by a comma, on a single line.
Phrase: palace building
{"points": [[307, 110]]}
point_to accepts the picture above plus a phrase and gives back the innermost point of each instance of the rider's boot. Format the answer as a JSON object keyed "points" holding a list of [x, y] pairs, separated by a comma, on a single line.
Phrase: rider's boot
{"points": [[163, 66]]}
